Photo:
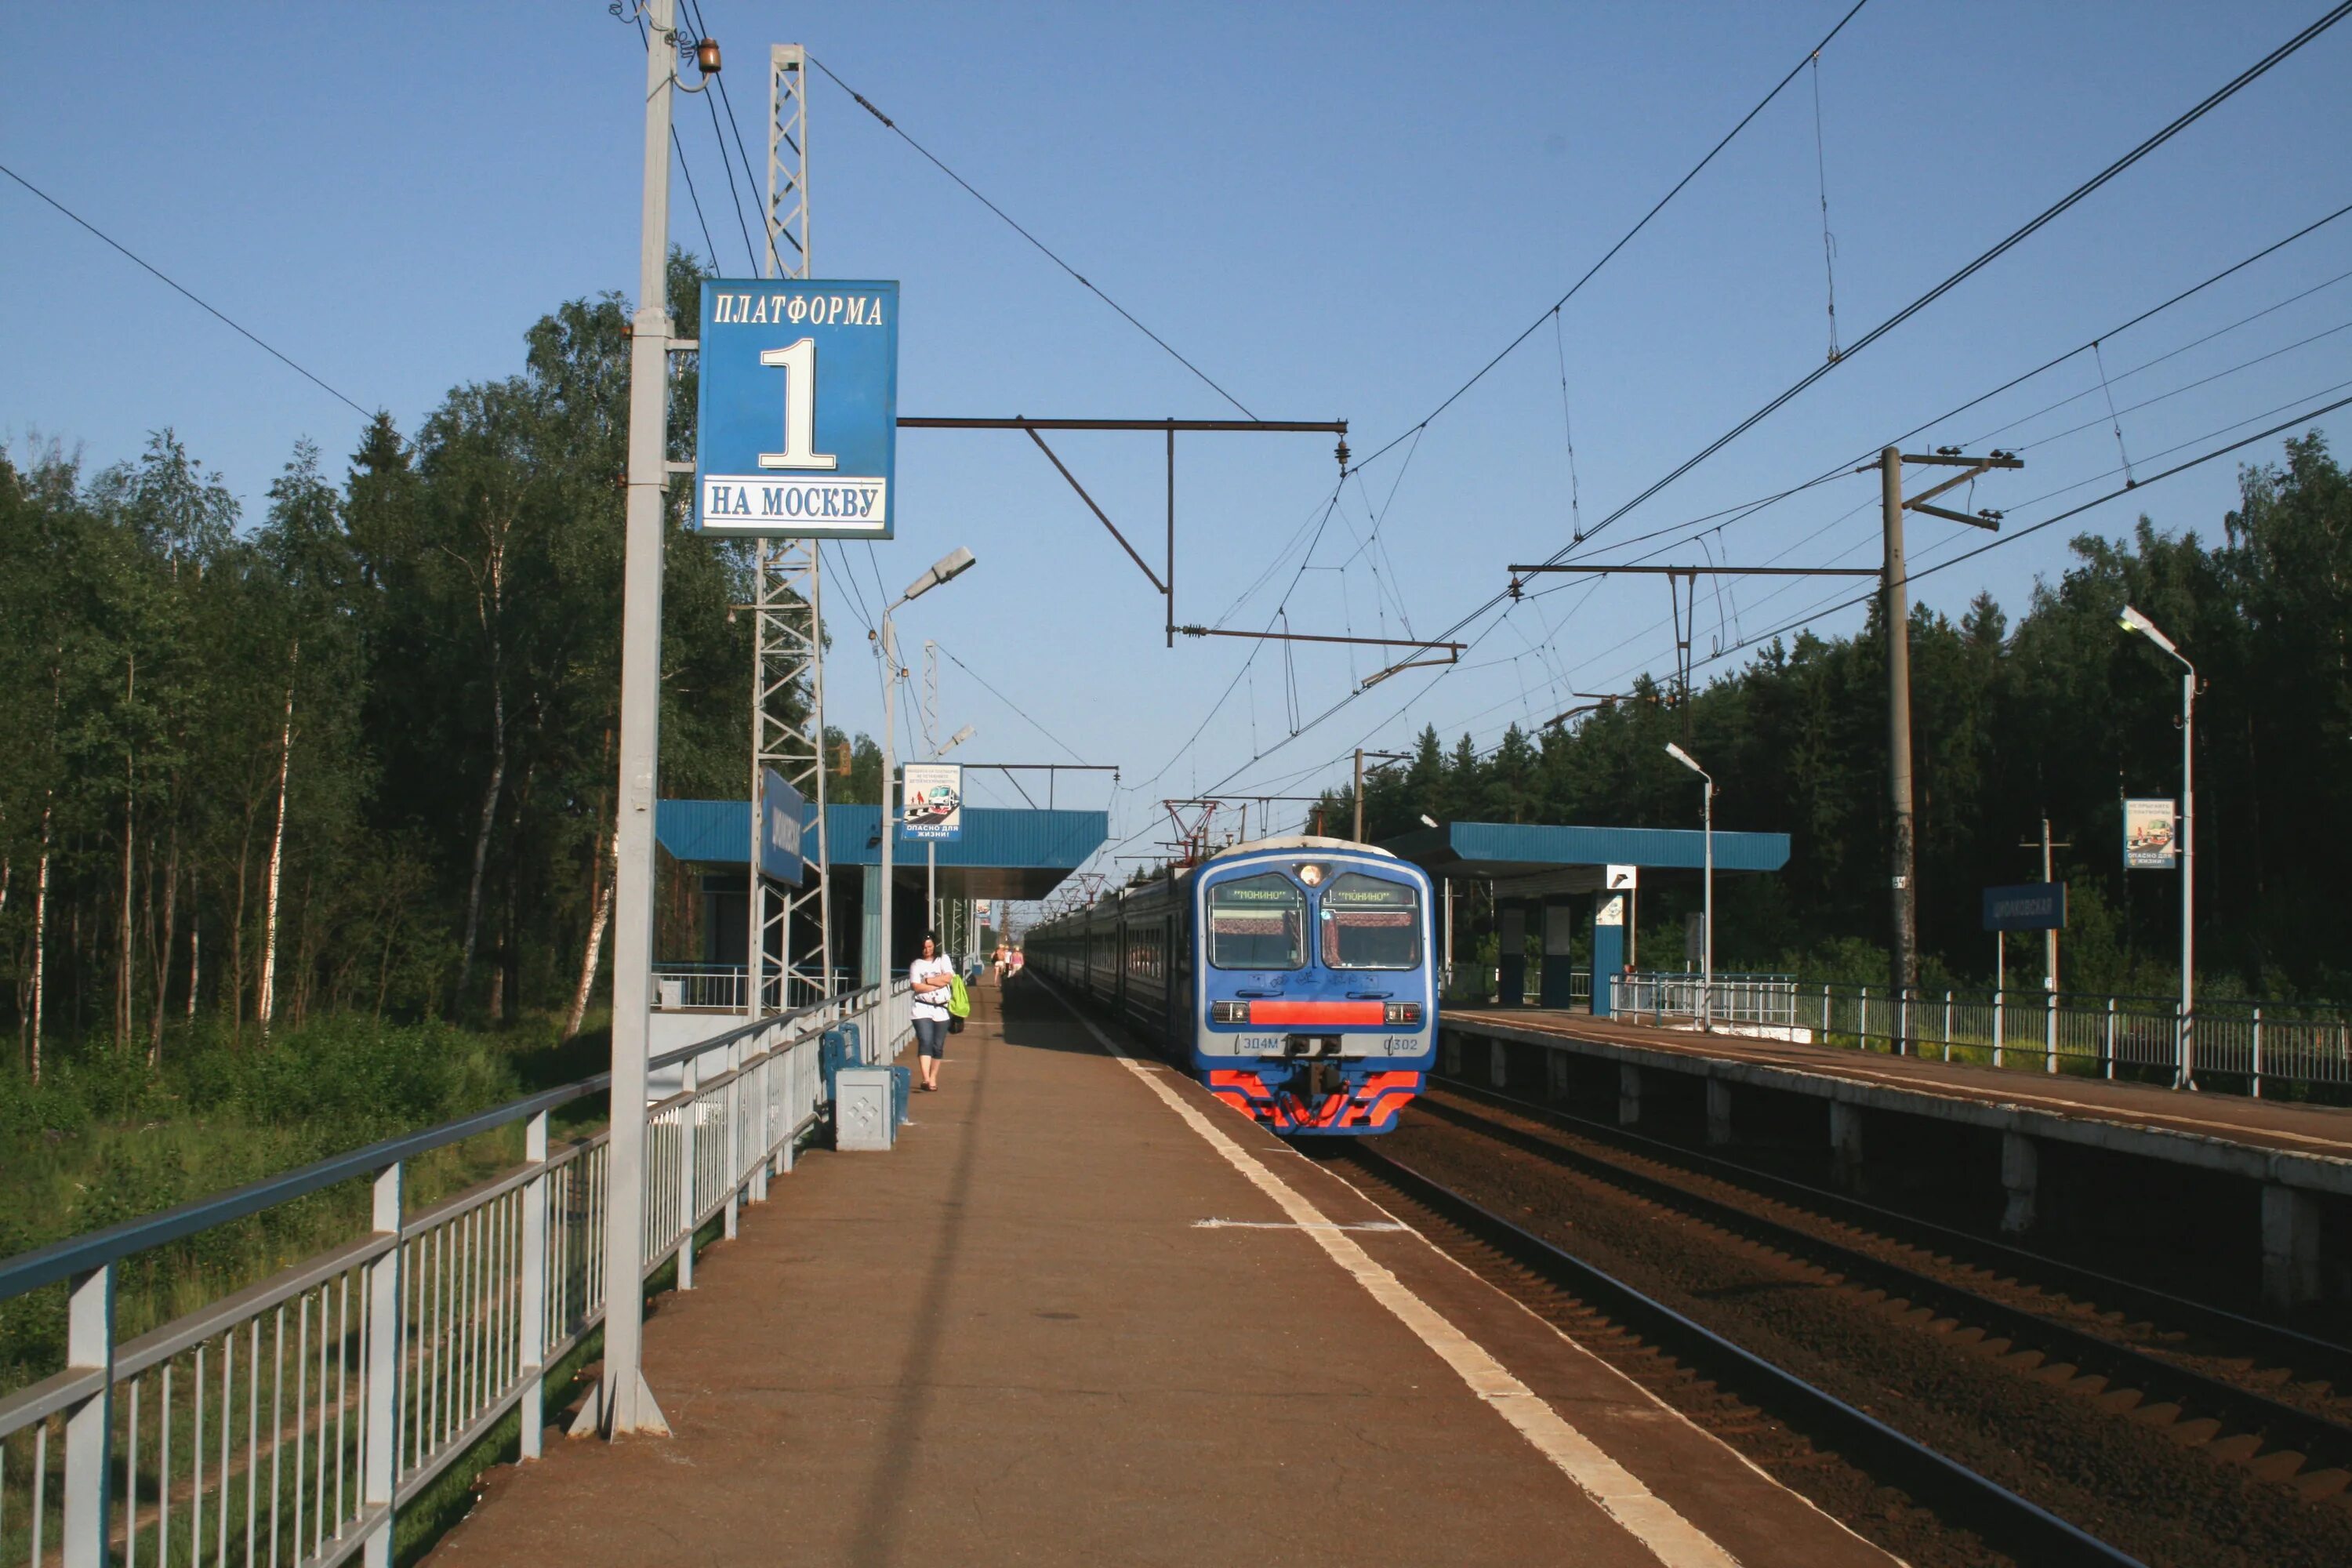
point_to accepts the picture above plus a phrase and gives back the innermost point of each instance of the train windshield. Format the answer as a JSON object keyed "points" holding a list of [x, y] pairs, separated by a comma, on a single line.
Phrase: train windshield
{"points": [[1257, 922], [1370, 923]]}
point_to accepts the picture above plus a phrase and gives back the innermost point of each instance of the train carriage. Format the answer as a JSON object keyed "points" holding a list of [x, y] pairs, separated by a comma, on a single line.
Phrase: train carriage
{"points": [[1294, 978]]}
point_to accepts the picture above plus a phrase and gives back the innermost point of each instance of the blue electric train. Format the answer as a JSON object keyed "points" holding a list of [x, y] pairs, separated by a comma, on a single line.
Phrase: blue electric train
{"points": [[1292, 976]]}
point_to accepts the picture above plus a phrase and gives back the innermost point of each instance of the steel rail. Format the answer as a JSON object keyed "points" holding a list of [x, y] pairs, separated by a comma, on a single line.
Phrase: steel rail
{"points": [[2012, 1522], [2305, 1351], [2240, 1409]]}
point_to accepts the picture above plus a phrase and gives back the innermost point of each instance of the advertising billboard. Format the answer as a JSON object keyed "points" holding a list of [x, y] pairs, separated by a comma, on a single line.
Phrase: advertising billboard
{"points": [[2149, 844], [932, 811]]}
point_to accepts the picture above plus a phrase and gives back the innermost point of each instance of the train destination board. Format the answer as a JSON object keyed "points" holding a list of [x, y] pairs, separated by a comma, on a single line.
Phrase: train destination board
{"points": [[797, 431]]}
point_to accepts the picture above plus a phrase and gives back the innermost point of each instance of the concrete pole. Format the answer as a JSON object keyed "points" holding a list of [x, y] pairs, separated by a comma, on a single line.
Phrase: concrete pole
{"points": [[1706, 925], [1360, 794], [890, 766], [625, 1404], [2188, 875], [1904, 970], [2050, 937]]}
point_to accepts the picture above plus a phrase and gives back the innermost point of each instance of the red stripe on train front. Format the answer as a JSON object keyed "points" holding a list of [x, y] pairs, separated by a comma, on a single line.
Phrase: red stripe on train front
{"points": [[1372, 1013]]}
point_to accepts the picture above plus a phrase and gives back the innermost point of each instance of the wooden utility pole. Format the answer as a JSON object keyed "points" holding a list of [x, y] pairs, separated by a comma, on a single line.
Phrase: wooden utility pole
{"points": [[1903, 978]]}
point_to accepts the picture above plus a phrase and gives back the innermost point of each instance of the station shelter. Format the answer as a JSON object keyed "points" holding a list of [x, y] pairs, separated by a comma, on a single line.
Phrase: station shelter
{"points": [[1556, 877], [1001, 854]]}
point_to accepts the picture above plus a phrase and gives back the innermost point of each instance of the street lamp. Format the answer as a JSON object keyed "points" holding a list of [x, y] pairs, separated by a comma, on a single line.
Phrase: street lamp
{"points": [[2131, 620], [1706, 927], [945, 569], [931, 846]]}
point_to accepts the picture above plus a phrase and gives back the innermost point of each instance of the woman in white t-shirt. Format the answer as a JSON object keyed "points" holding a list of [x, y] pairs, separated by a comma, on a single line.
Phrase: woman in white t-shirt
{"points": [[932, 975]]}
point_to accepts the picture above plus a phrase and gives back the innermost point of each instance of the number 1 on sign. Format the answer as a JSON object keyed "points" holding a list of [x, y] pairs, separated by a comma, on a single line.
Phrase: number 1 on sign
{"points": [[799, 364]]}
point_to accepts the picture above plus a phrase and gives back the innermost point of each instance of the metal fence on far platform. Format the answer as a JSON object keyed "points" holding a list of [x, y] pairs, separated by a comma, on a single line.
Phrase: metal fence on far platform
{"points": [[2253, 1043], [288, 1423]]}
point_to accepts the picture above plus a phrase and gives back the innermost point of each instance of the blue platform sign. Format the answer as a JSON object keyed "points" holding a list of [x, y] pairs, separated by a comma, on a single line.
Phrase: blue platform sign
{"points": [[2030, 906], [782, 812], [797, 431]]}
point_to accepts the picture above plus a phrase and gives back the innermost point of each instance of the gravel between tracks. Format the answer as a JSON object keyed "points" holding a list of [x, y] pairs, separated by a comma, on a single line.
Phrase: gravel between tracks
{"points": [[2153, 1486]]}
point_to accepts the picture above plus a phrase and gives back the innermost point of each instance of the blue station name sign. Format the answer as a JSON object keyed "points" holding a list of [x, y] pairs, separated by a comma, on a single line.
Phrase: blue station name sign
{"points": [[2028, 905], [797, 427]]}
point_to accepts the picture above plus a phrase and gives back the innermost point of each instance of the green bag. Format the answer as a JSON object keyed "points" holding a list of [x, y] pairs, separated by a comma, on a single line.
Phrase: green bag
{"points": [[959, 999]]}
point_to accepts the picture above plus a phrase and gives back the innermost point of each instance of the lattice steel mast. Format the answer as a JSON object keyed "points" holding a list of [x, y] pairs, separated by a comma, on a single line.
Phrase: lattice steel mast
{"points": [[787, 626]]}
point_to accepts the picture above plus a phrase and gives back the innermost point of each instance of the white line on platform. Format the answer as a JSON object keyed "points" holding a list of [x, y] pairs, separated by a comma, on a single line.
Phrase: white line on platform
{"points": [[1292, 1224], [1617, 1491]]}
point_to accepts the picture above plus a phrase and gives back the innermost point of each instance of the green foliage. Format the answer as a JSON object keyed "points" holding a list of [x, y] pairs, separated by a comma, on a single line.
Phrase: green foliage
{"points": [[102, 1140], [416, 671], [2059, 714]]}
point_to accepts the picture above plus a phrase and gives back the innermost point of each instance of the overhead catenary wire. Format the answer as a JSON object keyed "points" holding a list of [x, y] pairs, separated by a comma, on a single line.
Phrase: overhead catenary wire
{"points": [[1984, 258], [1623, 241], [1043, 248], [193, 298]]}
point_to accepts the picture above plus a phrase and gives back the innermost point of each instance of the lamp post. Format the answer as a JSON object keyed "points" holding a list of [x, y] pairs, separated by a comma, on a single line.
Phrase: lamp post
{"points": [[1706, 926], [2131, 620], [931, 847], [945, 569]]}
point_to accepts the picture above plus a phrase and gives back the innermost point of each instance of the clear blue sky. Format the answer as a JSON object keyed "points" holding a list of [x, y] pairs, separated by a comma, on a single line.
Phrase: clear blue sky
{"points": [[1335, 210]]}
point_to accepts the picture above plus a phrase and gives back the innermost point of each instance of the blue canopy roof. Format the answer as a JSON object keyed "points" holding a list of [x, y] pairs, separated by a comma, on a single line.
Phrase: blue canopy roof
{"points": [[1004, 854], [1532, 858]]}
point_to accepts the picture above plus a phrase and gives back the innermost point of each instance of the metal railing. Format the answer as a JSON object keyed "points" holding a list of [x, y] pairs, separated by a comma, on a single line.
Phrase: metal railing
{"points": [[1479, 983], [719, 988], [2259, 1042], [1768, 1001], [291, 1421]]}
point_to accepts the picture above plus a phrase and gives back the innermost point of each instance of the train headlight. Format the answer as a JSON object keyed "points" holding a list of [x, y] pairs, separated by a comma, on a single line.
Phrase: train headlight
{"points": [[1404, 1013], [1311, 874], [1229, 1012]]}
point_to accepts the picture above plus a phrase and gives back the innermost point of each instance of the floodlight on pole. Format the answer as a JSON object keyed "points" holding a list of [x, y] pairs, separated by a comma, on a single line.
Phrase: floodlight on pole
{"points": [[2132, 621], [1706, 921], [947, 567], [1427, 820]]}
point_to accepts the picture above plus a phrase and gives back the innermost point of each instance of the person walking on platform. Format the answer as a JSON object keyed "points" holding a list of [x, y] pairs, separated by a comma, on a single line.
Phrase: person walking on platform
{"points": [[933, 976], [1001, 954]]}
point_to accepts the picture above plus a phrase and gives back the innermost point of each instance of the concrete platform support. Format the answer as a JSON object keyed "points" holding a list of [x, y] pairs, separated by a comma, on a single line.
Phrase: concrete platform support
{"points": [[2291, 1224], [2021, 1176], [1556, 1075], [1718, 1113], [1449, 1055], [1845, 1143], [1499, 1064], [1629, 1094]]}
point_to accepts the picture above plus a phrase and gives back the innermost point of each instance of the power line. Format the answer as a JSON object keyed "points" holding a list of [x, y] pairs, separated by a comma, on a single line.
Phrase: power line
{"points": [[2015, 238], [702, 30], [1625, 239], [2011, 241], [189, 295], [1016, 708], [2053, 521], [1042, 247]]}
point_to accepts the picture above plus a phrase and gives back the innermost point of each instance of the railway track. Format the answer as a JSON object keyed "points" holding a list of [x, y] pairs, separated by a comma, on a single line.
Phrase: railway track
{"points": [[2236, 1408], [2012, 1523]]}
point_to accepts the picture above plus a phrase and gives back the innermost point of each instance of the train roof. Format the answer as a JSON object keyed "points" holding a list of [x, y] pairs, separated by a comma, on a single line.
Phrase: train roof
{"points": [[1302, 841]]}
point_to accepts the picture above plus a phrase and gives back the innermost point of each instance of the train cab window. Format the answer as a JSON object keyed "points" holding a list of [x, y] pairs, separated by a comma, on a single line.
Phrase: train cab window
{"points": [[1370, 923], [1257, 922]]}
